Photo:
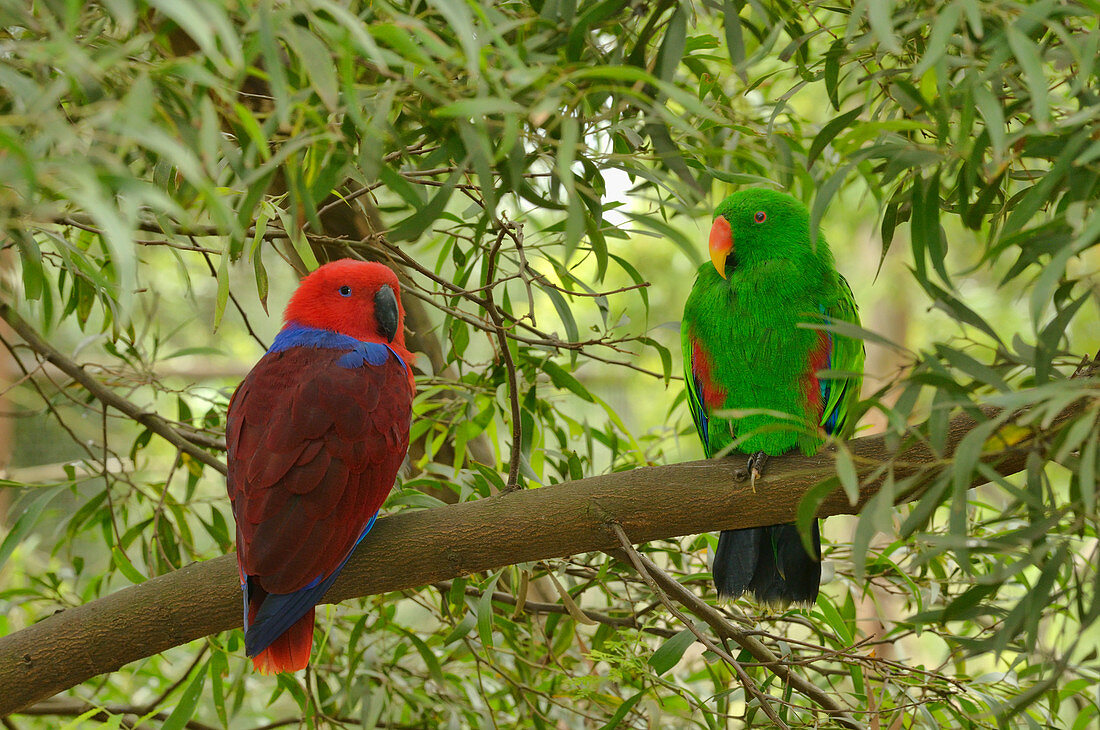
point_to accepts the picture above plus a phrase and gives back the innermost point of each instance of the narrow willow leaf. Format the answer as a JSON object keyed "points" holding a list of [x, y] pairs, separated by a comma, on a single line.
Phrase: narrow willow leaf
{"points": [[565, 313], [223, 289], [567, 601], [807, 509], [586, 23], [122, 562], [1027, 55], [485, 612], [563, 379], [435, 669], [188, 703], [414, 226], [846, 472], [829, 132], [735, 41], [993, 114], [615, 721], [671, 652], [1087, 474], [943, 30], [825, 194], [464, 627], [458, 17], [880, 13], [30, 510], [672, 48], [834, 620]]}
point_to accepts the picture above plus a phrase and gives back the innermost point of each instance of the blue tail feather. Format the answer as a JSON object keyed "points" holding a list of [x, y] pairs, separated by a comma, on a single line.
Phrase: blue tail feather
{"points": [[280, 611]]}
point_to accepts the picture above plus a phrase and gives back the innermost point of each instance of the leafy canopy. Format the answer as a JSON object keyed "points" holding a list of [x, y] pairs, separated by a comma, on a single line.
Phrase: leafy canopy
{"points": [[532, 168]]}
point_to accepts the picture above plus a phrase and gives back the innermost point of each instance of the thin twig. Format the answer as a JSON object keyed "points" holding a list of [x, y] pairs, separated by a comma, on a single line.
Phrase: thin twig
{"points": [[348, 198], [529, 606]]}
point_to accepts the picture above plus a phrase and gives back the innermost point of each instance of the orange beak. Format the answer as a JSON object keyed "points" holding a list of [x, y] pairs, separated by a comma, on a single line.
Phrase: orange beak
{"points": [[721, 244]]}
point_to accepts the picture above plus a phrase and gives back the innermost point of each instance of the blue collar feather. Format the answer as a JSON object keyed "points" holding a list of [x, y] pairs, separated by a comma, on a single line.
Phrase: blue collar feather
{"points": [[356, 352]]}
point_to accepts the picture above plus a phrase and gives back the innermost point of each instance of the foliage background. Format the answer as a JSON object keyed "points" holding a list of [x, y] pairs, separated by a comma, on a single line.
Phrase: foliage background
{"points": [[542, 173]]}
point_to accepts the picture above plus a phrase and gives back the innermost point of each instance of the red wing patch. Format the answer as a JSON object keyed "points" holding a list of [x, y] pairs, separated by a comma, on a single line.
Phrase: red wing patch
{"points": [[712, 394], [811, 384]]}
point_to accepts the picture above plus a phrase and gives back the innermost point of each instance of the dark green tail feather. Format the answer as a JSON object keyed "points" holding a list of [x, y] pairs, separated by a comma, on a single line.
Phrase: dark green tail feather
{"points": [[768, 562]]}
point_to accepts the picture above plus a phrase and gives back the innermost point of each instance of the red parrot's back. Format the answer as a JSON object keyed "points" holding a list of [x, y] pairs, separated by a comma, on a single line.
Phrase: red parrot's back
{"points": [[316, 433]]}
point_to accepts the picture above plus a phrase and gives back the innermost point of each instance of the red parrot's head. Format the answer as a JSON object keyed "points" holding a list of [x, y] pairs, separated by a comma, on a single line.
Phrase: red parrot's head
{"points": [[361, 299]]}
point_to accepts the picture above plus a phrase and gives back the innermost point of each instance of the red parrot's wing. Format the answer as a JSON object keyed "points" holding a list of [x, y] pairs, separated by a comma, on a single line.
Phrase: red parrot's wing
{"points": [[314, 447]]}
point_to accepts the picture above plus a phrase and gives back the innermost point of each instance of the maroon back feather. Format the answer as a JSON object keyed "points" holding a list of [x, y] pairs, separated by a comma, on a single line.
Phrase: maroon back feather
{"points": [[314, 448]]}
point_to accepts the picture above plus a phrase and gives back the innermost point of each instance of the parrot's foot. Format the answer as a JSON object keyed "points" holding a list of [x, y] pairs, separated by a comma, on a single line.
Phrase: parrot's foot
{"points": [[756, 467]]}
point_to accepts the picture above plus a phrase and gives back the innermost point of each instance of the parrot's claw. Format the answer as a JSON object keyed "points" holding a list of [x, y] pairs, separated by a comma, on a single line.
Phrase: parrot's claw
{"points": [[756, 467]]}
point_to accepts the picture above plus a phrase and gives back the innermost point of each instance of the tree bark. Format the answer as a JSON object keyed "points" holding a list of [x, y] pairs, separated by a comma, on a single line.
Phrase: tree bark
{"points": [[415, 548]]}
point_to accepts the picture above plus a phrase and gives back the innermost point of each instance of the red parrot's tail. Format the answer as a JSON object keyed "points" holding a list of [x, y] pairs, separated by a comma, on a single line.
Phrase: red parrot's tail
{"points": [[290, 651]]}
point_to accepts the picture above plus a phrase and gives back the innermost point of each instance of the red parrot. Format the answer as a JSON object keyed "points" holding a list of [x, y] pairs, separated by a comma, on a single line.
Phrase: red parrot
{"points": [[316, 433]]}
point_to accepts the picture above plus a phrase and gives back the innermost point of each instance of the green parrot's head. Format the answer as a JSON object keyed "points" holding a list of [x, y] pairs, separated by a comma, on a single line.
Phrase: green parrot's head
{"points": [[758, 225]]}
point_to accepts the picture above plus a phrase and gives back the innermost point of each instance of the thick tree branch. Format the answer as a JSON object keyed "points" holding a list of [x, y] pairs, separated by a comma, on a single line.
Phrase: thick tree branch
{"points": [[412, 549], [102, 393]]}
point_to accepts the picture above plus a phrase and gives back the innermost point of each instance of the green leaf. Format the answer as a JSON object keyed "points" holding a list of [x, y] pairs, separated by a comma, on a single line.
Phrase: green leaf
{"points": [[478, 107], [943, 30], [223, 288], [669, 653], [672, 48], [464, 627], [585, 23], [735, 41], [565, 313], [458, 17], [993, 114], [435, 670], [30, 259], [561, 378], [1027, 55], [880, 13], [625, 707], [834, 620], [316, 60], [219, 667], [80, 722], [413, 226], [189, 701], [122, 562], [30, 510], [829, 132], [846, 472], [485, 612], [825, 193], [807, 509]]}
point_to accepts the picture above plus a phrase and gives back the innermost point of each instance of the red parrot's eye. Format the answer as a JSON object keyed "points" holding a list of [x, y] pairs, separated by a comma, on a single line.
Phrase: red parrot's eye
{"points": [[345, 291], [760, 216]]}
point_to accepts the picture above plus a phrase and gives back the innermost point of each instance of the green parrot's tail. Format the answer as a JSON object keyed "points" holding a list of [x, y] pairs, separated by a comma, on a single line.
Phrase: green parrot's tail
{"points": [[768, 562]]}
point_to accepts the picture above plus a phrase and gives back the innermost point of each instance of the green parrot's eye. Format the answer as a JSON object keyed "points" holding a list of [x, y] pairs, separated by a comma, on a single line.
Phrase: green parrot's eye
{"points": [[760, 216]]}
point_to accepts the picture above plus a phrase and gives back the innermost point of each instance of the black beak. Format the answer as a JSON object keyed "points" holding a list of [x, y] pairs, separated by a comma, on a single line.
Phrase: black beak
{"points": [[385, 312]]}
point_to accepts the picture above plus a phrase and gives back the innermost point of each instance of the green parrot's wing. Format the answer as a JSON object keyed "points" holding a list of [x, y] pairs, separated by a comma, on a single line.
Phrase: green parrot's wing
{"points": [[694, 387], [839, 395]]}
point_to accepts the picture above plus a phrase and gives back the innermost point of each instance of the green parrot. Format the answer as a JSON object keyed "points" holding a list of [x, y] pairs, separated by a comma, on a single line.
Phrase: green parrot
{"points": [[751, 366]]}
